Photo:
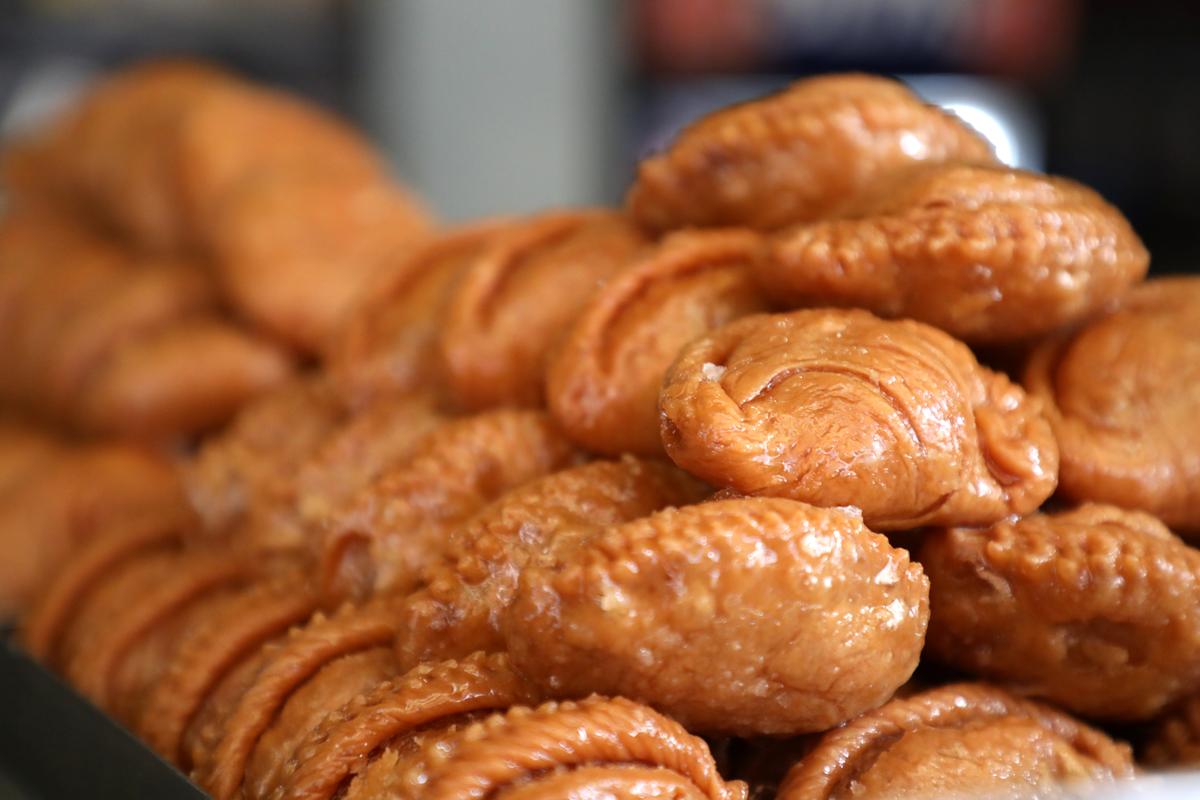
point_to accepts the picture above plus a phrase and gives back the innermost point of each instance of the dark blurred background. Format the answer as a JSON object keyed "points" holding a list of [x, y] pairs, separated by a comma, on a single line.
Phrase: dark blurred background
{"points": [[491, 107]]}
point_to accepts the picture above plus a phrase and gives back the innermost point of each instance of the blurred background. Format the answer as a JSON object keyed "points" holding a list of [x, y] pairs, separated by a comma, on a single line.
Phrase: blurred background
{"points": [[508, 107]]}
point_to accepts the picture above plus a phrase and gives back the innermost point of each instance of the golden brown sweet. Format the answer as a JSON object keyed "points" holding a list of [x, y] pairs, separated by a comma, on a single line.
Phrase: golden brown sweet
{"points": [[460, 610], [796, 155], [989, 254], [390, 715], [968, 740], [841, 408], [602, 383], [251, 462], [518, 297], [338, 683], [383, 539], [89, 564], [1095, 609], [187, 377], [285, 667], [117, 151], [597, 747], [389, 344], [1121, 395], [1175, 739], [295, 249], [208, 652], [751, 616], [139, 301], [69, 500]]}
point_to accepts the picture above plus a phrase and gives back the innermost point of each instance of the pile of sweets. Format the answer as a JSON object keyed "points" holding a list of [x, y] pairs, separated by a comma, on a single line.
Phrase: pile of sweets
{"points": [[567, 493]]}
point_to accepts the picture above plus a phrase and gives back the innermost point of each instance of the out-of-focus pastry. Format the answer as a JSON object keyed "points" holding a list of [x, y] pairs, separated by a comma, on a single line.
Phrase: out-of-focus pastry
{"points": [[389, 344], [748, 616], [189, 376], [1121, 395], [519, 295], [602, 383], [294, 250], [63, 503], [962, 740], [841, 408], [989, 254], [797, 155]]}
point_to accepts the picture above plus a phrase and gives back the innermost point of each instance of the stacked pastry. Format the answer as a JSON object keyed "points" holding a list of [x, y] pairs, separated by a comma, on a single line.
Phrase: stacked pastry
{"points": [[571, 490]]}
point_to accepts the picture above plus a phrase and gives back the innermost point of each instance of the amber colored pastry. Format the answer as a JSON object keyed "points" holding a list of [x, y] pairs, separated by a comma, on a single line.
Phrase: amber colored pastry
{"points": [[139, 301], [962, 740], [349, 457], [841, 408], [1121, 395], [383, 777], [152, 591], [602, 383], [426, 697], [796, 155], [751, 616], [246, 132], [519, 295], [1095, 609], [294, 250], [398, 525], [1175, 739], [389, 345], [24, 451], [67, 501], [209, 650], [597, 747], [118, 149], [186, 377], [252, 460], [989, 254], [339, 682], [284, 669], [460, 609], [88, 566]]}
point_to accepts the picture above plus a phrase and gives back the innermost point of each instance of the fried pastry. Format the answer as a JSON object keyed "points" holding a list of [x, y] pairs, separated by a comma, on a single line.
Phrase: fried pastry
{"points": [[519, 295], [187, 377], [968, 740], [294, 250], [840, 408], [1095, 609], [88, 566], [1175, 738], [597, 747], [390, 344], [989, 254], [250, 462], [138, 302], [750, 616], [209, 652], [396, 527], [117, 150], [797, 155], [1121, 396], [602, 383], [338, 683], [69, 500], [460, 609], [286, 666], [392, 716]]}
